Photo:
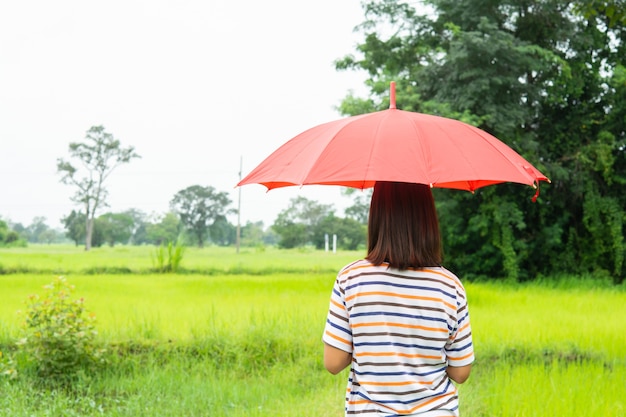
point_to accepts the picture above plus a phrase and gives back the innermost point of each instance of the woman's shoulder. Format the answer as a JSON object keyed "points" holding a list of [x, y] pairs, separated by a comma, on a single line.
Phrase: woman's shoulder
{"points": [[359, 263], [447, 275]]}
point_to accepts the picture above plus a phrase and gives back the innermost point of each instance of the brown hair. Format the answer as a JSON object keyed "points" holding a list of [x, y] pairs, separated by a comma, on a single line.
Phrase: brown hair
{"points": [[403, 228]]}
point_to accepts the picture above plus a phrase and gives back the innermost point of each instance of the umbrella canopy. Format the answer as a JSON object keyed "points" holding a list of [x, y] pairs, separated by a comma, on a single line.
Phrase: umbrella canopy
{"points": [[394, 145]]}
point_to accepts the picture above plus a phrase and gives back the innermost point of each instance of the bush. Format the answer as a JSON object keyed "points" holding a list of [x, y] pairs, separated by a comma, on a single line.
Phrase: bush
{"points": [[174, 254], [58, 335], [7, 367]]}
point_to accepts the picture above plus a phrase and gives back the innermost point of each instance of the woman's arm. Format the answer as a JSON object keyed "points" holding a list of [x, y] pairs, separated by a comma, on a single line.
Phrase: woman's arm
{"points": [[335, 360], [459, 374]]}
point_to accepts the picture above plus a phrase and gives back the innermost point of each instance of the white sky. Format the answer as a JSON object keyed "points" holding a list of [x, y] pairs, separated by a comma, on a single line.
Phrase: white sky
{"points": [[193, 85]]}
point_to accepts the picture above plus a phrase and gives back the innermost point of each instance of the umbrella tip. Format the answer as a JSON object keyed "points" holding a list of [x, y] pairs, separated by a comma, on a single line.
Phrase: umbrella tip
{"points": [[392, 95]]}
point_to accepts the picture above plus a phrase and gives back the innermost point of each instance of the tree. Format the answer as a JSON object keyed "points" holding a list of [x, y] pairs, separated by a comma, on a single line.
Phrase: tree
{"points": [[360, 208], [253, 234], [547, 78], [116, 227], [75, 226], [199, 208], [98, 156], [164, 229], [351, 234], [222, 232], [296, 224], [37, 229], [137, 225]]}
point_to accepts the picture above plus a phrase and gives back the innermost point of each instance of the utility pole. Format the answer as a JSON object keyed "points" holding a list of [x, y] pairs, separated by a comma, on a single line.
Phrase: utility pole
{"points": [[239, 207]]}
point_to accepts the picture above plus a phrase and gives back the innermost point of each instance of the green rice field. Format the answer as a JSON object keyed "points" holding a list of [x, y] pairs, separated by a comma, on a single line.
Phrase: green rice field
{"points": [[240, 335]]}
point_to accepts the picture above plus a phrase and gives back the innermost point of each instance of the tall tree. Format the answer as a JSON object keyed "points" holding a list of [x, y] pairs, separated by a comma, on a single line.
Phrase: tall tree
{"points": [[200, 209], [97, 157], [544, 76]]}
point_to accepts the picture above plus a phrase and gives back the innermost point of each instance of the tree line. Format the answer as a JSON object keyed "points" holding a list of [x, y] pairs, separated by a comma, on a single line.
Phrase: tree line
{"points": [[546, 77], [199, 220]]}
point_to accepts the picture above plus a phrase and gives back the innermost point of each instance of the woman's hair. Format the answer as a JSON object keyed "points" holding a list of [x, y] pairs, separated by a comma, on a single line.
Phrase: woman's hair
{"points": [[403, 228]]}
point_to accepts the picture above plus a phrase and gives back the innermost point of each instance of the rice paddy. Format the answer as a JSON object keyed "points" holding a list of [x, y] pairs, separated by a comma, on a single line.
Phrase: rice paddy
{"points": [[240, 335]]}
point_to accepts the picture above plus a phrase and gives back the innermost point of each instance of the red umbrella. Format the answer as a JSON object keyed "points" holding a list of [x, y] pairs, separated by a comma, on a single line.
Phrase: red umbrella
{"points": [[394, 145]]}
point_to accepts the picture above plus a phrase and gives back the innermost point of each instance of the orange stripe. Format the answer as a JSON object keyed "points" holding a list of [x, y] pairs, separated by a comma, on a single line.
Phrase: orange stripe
{"points": [[335, 303], [465, 326], [392, 294], [354, 268], [344, 341], [394, 384], [404, 355], [430, 271], [408, 326], [408, 411], [460, 358], [450, 277]]}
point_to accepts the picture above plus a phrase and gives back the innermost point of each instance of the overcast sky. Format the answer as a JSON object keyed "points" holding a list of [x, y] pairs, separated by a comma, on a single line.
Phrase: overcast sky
{"points": [[196, 86]]}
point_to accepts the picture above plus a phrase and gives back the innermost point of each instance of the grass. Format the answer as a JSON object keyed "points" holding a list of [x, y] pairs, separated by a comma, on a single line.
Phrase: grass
{"points": [[67, 259], [242, 343]]}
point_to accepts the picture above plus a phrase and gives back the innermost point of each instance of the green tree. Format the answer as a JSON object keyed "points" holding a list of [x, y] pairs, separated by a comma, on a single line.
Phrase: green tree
{"points": [[546, 77], [296, 224], [254, 234], [351, 234], [5, 233], [137, 227], [222, 232], [360, 208], [116, 227], [199, 208], [165, 229], [75, 226], [97, 157], [36, 230]]}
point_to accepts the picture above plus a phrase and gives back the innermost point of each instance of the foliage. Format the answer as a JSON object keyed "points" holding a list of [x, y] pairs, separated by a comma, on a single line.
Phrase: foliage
{"points": [[360, 208], [9, 238], [116, 227], [167, 258], [7, 367], [166, 228], [75, 226], [59, 337], [296, 224], [201, 211], [99, 155], [351, 234], [553, 92]]}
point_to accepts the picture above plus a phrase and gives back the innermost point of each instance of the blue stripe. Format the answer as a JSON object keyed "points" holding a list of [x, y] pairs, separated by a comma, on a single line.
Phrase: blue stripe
{"points": [[390, 284], [461, 348], [401, 373], [409, 316], [343, 329], [464, 318]]}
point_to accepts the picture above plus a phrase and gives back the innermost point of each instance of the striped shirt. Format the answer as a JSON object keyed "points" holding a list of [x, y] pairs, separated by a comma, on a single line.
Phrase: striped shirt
{"points": [[403, 328]]}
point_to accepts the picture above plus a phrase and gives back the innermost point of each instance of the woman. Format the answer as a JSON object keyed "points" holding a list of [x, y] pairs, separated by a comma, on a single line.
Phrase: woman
{"points": [[398, 317]]}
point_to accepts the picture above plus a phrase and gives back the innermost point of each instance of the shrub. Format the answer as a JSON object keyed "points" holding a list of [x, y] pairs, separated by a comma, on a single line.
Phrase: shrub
{"points": [[174, 252], [59, 335], [7, 367]]}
